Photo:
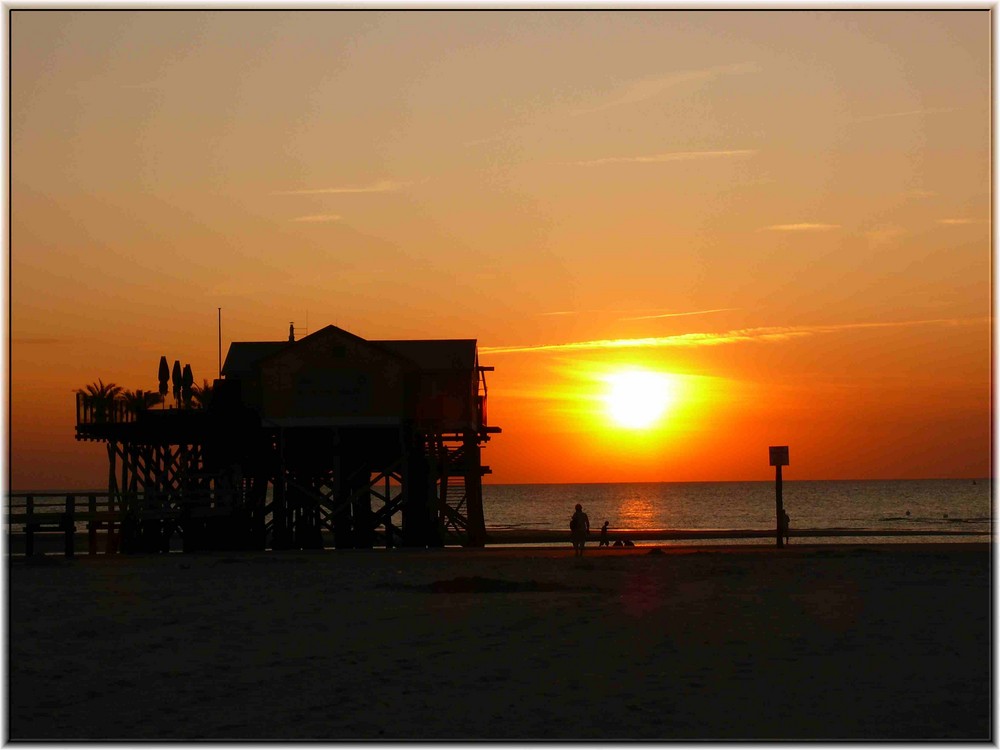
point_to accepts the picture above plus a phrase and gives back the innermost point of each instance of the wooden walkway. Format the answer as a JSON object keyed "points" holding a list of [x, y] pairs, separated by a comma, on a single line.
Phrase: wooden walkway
{"points": [[32, 513]]}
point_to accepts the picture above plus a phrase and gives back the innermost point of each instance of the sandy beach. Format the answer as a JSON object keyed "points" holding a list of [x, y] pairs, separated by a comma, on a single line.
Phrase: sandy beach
{"points": [[818, 642]]}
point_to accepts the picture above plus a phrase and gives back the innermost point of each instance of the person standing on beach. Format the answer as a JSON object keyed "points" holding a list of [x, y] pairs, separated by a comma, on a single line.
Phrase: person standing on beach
{"points": [[579, 528], [604, 535], [785, 522]]}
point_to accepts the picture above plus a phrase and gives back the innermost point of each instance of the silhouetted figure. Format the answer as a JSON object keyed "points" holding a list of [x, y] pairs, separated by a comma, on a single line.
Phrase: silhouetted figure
{"points": [[579, 527], [629, 543], [785, 523], [604, 535], [291, 332], [618, 543]]}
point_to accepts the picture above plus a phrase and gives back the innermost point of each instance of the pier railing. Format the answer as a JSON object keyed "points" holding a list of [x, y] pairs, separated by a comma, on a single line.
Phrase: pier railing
{"points": [[31, 513], [92, 410]]}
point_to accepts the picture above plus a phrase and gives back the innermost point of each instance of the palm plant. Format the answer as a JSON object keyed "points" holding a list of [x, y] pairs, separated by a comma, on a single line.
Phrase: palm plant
{"points": [[201, 395], [100, 397], [136, 401]]}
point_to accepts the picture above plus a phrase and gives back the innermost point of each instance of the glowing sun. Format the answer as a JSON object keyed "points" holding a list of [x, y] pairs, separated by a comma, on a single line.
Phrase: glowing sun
{"points": [[638, 398]]}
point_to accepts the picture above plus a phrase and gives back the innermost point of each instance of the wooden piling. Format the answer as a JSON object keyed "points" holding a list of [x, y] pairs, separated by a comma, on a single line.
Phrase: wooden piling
{"points": [[29, 528], [69, 525], [92, 525], [780, 511]]}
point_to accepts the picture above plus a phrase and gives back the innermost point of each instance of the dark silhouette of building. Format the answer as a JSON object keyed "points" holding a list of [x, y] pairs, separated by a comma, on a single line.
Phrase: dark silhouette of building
{"points": [[330, 437]]}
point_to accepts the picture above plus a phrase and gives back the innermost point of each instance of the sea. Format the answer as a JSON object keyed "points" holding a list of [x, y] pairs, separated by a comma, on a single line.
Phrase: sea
{"points": [[940, 506], [940, 510]]}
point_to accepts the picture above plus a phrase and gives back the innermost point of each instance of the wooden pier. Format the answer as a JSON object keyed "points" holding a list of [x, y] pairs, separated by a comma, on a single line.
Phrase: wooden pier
{"points": [[33, 514], [372, 443]]}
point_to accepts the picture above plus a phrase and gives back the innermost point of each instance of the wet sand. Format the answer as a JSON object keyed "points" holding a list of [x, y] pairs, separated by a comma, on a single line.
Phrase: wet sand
{"points": [[820, 642]]}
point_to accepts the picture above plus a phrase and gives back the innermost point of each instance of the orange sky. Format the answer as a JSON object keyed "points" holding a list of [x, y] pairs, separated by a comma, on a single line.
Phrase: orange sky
{"points": [[787, 213]]}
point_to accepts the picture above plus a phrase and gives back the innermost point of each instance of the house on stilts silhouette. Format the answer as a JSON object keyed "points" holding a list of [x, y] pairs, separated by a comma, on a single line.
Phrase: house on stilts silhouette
{"points": [[328, 440]]}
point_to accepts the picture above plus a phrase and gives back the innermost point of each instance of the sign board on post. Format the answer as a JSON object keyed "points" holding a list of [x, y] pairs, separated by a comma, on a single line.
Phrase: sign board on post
{"points": [[779, 458]]}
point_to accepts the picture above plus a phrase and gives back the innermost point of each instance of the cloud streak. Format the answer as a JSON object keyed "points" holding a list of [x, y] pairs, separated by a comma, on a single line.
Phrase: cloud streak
{"points": [[648, 88], [802, 227], [648, 313], [908, 113], [681, 314], [318, 218], [957, 222], [667, 157], [385, 186], [768, 334]]}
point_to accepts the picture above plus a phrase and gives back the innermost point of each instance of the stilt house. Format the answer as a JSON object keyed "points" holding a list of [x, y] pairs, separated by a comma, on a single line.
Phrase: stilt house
{"points": [[329, 439]]}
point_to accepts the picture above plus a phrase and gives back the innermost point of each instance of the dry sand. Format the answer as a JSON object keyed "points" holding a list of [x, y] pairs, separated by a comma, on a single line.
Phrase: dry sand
{"points": [[810, 642]]}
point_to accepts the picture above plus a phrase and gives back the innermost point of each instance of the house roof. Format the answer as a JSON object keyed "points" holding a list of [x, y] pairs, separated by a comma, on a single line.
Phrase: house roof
{"points": [[243, 355], [427, 354], [435, 354]]}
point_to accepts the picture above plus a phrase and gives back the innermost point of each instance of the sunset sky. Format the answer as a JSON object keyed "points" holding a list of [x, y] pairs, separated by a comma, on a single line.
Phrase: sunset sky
{"points": [[779, 219]]}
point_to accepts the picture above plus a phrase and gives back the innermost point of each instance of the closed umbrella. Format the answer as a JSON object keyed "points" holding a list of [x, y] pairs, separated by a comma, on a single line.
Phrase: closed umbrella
{"points": [[187, 380], [164, 377], [175, 377]]}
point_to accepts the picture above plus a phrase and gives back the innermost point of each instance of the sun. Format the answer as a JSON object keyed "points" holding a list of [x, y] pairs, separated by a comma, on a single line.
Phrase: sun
{"points": [[637, 398]]}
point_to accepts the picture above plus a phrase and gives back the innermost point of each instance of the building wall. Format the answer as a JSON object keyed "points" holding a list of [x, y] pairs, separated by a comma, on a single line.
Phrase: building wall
{"points": [[335, 375]]}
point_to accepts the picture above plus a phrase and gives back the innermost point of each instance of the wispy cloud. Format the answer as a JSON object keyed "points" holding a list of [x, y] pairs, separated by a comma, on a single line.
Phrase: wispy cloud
{"points": [[882, 235], [671, 156], [743, 335], [385, 186], [30, 341], [907, 113], [647, 88], [647, 313], [318, 218], [802, 227], [957, 222], [680, 314]]}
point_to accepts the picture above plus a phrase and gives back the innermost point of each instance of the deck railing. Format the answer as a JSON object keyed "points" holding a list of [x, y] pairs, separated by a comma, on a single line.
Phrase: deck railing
{"points": [[30, 513], [93, 410], [92, 512]]}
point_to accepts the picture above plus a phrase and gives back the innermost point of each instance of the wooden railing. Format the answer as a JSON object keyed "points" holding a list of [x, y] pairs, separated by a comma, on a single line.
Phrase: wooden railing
{"points": [[91, 512], [30, 513], [91, 410]]}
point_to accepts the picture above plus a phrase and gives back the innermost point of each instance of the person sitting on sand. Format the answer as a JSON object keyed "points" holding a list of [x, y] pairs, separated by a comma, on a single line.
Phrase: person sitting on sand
{"points": [[604, 536], [579, 527]]}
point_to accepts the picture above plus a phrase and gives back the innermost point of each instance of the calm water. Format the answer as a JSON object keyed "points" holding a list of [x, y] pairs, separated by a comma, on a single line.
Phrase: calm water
{"points": [[927, 505], [939, 504]]}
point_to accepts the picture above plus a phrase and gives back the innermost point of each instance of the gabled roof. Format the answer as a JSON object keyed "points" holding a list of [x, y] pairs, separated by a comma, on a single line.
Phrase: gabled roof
{"points": [[426, 354], [243, 355], [435, 354]]}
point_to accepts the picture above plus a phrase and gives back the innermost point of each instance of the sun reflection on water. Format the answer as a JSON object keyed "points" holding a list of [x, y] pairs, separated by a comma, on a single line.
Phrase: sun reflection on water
{"points": [[637, 512]]}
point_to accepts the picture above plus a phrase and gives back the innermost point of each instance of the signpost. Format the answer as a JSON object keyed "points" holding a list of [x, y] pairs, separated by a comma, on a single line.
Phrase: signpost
{"points": [[779, 458]]}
